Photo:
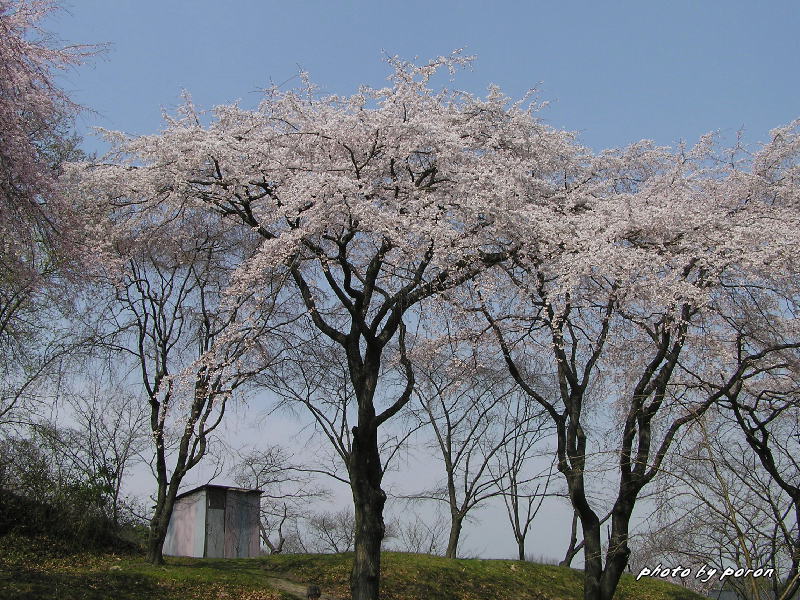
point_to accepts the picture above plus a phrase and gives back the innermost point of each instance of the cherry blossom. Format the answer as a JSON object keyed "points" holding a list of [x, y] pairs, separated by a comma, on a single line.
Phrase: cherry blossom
{"points": [[383, 207]]}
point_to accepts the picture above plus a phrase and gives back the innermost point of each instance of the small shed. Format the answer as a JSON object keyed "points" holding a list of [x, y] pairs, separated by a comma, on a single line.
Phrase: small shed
{"points": [[214, 521]]}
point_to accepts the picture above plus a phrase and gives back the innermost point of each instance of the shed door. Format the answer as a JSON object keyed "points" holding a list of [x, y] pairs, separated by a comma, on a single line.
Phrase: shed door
{"points": [[215, 523]]}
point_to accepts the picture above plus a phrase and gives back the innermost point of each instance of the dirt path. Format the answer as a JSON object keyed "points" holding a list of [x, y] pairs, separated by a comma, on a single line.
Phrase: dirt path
{"points": [[295, 589]]}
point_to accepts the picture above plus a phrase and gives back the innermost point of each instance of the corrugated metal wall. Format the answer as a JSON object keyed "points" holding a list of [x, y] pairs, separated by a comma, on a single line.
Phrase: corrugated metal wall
{"points": [[186, 531], [214, 523]]}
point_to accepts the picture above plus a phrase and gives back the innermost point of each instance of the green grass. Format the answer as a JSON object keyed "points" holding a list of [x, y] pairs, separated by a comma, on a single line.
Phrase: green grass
{"points": [[42, 570], [423, 577]]}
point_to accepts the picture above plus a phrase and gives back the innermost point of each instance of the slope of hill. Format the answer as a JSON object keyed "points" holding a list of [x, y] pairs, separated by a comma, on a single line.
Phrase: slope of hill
{"points": [[40, 569]]}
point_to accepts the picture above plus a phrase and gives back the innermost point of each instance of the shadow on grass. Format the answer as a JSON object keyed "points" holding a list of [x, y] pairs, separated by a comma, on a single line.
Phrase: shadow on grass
{"points": [[30, 584], [222, 564]]}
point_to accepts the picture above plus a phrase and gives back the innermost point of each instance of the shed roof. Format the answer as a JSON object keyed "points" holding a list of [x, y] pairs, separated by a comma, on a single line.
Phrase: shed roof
{"points": [[219, 487]]}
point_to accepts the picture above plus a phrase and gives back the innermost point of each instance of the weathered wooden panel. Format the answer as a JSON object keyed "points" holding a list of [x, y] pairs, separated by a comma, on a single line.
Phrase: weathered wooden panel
{"points": [[215, 533], [241, 525], [254, 500], [215, 524]]}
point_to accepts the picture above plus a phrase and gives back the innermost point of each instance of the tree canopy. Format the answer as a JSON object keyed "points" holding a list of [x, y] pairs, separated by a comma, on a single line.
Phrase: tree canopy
{"points": [[659, 281]]}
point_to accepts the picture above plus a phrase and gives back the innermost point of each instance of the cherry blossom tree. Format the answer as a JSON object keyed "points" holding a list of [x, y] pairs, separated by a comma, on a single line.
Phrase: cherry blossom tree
{"points": [[766, 409], [39, 235], [369, 204], [608, 268], [633, 302], [35, 115], [33, 109]]}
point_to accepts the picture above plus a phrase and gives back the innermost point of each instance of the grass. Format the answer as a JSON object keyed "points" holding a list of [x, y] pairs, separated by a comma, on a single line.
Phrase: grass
{"points": [[423, 577], [43, 570]]}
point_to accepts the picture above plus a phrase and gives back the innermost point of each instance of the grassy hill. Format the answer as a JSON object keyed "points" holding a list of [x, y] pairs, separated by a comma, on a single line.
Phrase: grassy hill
{"points": [[41, 569]]}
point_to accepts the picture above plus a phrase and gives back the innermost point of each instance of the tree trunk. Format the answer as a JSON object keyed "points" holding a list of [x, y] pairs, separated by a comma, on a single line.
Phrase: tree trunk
{"points": [[600, 583], [521, 548], [456, 521], [159, 524], [368, 501], [618, 552], [155, 540], [592, 559]]}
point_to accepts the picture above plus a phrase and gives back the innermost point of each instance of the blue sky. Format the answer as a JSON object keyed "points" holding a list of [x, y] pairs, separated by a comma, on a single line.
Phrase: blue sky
{"points": [[616, 71]]}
